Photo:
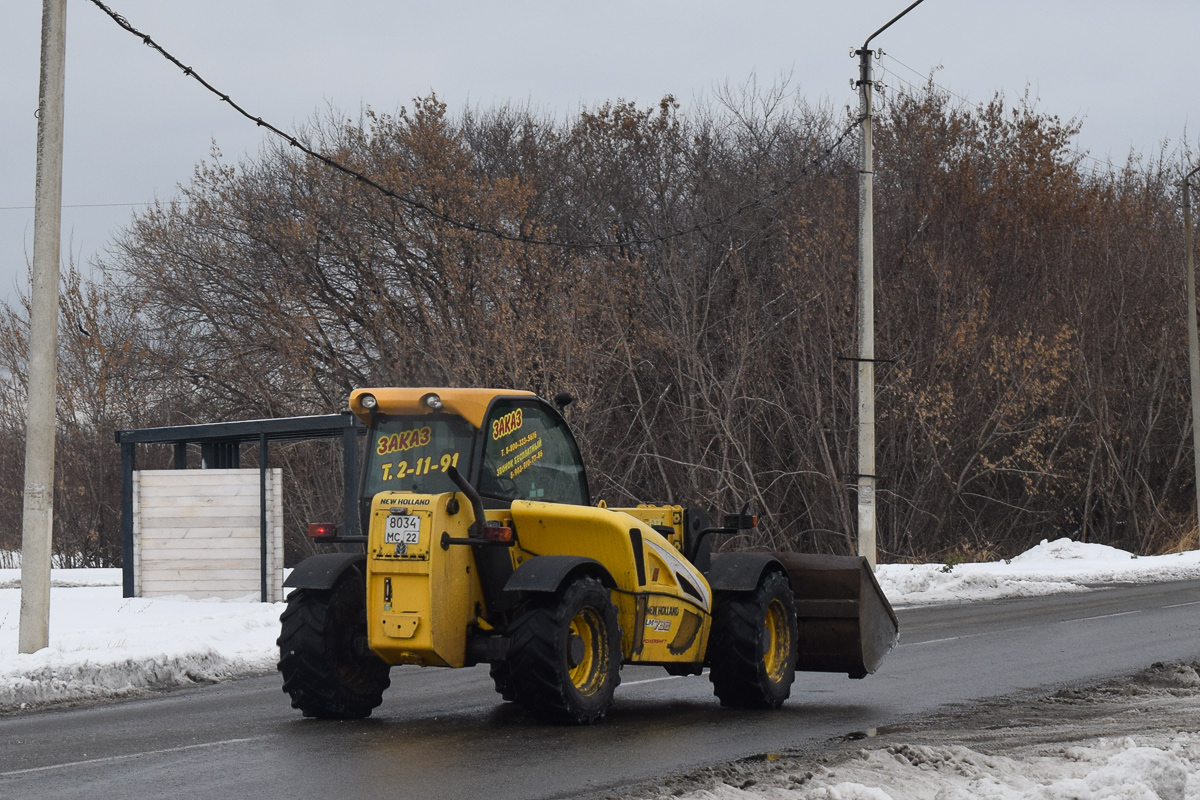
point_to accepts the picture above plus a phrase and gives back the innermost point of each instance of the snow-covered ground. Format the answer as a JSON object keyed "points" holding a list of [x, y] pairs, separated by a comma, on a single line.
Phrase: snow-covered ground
{"points": [[1050, 568], [103, 645]]}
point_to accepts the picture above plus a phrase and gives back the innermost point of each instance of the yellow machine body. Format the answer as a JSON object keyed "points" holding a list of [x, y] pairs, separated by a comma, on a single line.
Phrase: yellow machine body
{"points": [[663, 605], [423, 600], [420, 598]]}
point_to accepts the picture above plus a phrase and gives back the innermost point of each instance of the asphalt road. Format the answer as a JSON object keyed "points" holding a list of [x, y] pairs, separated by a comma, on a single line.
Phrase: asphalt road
{"points": [[445, 734]]}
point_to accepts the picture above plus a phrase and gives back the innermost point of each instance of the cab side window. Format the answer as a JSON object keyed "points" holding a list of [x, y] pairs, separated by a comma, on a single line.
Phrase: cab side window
{"points": [[529, 454]]}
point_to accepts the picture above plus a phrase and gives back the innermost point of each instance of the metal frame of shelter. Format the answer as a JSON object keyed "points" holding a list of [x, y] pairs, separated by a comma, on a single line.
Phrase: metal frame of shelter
{"points": [[220, 448]]}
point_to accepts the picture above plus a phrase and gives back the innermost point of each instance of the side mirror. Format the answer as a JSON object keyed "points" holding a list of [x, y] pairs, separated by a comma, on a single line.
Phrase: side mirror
{"points": [[563, 399]]}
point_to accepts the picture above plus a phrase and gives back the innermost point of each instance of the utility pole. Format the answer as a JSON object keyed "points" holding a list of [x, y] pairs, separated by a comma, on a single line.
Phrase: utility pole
{"points": [[38, 514], [1193, 337], [866, 316], [866, 304]]}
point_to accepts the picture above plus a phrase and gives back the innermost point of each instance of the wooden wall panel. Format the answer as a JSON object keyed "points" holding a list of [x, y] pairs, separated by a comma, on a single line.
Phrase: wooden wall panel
{"points": [[196, 533]]}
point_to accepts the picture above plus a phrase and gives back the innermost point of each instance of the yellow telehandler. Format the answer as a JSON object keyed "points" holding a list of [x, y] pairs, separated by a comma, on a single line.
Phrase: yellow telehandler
{"points": [[482, 545]]}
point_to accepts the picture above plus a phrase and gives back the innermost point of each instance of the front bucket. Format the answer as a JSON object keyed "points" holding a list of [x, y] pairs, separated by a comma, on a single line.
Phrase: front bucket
{"points": [[846, 622]]}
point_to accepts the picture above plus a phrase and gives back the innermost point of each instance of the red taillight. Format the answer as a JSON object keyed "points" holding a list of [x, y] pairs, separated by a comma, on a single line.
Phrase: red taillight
{"points": [[495, 532], [321, 530]]}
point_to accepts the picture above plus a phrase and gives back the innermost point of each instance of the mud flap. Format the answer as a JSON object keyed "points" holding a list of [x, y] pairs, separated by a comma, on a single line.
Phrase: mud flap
{"points": [[846, 623]]}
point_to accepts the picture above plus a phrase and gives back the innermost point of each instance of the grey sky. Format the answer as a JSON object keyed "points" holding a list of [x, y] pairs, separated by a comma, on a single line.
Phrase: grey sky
{"points": [[136, 127]]}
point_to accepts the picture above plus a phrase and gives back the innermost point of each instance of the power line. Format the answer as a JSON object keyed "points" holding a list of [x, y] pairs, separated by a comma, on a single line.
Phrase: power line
{"points": [[425, 208]]}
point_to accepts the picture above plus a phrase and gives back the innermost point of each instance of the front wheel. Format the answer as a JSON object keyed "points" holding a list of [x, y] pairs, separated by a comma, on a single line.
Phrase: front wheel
{"points": [[328, 669], [753, 645], [564, 656]]}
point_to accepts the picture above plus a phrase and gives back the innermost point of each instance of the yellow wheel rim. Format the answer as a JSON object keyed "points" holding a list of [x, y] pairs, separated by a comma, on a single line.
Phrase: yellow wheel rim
{"points": [[775, 659], [584, 664]]}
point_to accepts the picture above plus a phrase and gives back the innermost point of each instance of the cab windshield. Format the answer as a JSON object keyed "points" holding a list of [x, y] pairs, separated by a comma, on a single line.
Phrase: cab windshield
{"points": [[412, 454]]}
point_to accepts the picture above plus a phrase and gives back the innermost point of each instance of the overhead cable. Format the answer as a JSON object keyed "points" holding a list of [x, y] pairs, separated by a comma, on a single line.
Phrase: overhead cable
{"points": [[424, 208]]}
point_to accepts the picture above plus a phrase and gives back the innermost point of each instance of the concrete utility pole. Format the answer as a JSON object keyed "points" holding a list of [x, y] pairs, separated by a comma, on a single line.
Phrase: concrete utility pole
{"points": [[1193, 337], [866, 304], [866, 317], [38, 517]]}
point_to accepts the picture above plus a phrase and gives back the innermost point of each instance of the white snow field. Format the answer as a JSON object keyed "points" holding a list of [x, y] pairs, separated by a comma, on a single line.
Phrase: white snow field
{"points": [[103, 645]]}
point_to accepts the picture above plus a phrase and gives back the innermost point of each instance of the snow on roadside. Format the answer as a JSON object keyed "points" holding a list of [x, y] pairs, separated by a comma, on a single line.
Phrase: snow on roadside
{"points": [[1136, 737], [103, 645], [1049, 568], [1147, 767]]}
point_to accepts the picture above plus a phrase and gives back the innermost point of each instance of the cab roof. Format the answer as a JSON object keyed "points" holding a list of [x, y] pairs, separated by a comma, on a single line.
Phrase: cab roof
{"points": [[470, 404]]}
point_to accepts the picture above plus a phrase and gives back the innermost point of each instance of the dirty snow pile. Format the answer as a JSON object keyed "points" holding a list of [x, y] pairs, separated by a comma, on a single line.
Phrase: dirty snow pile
{"points": [[1130, 738], [1155, 767], [104, 645]]}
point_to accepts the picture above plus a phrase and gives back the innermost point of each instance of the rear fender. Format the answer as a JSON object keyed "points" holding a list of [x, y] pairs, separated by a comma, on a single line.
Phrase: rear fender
{"points": [[323, 570], [740, 572], [548, 573]]}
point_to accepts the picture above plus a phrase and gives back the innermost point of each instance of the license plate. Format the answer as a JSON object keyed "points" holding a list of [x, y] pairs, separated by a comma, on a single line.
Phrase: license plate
{"points": [[402, 529]]}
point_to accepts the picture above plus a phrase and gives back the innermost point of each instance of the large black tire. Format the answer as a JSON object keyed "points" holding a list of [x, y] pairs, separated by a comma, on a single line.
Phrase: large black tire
{"points": [[564, 656], [752, 649], [328, 669]]}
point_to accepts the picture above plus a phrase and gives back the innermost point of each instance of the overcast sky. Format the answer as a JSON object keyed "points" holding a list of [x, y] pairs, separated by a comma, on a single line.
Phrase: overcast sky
{"points": [[135, 127]]}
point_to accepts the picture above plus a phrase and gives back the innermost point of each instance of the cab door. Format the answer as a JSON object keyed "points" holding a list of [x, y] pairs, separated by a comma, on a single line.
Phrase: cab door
{"points": [[530, 454]]}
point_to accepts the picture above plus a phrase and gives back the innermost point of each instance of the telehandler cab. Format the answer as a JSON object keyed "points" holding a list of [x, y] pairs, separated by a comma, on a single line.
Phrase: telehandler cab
{"points": [[482, 545]]}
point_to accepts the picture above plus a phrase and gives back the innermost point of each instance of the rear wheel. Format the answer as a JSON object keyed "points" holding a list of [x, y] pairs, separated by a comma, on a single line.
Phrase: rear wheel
{"points": [[753, 645], [564, 656], [328, 669]]}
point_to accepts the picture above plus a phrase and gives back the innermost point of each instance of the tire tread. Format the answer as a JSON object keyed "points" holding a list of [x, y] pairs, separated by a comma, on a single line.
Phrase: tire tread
{"points": [[736, 666], [317, 631], [536, 670]]}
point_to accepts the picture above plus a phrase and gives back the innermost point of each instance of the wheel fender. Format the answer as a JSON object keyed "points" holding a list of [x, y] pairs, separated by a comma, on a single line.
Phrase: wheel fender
{"points": [[740, 572], [547, 573], [323, 570]]}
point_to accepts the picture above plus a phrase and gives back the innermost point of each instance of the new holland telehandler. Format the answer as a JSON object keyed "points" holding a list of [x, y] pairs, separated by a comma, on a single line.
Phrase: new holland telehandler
{"points": [[482, 545]]}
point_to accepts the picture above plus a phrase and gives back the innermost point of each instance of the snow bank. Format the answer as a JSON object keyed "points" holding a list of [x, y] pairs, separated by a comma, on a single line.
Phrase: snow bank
{"points": [[103, 645], [1156, 767], [1049, 568]]}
